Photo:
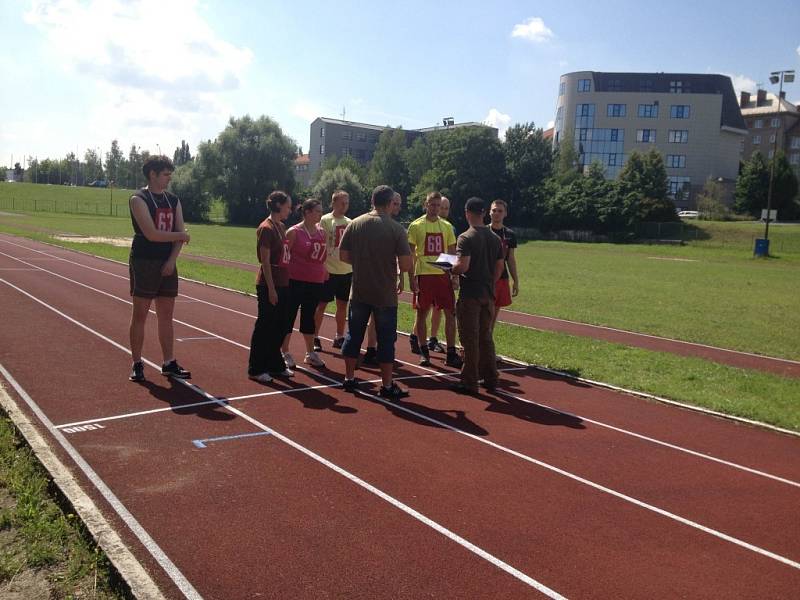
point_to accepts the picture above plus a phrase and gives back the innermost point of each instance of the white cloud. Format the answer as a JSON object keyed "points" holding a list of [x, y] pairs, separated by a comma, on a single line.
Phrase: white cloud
{"points": [[550, 124], [497, 119], [307, 110], [533, 29], [141, 44], [742, 83]]}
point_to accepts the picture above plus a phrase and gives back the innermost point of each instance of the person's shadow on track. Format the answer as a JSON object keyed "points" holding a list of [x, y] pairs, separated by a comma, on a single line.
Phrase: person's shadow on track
{"points": [[506, 404], [180, 398]]}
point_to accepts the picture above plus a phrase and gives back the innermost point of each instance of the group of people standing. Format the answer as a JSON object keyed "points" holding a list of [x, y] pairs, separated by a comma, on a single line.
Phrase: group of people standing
{"points": [[359, 264]]}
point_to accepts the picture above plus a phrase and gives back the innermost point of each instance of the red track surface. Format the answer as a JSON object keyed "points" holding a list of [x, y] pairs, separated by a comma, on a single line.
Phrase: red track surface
{"points": [[601, 495], [734, 358]]}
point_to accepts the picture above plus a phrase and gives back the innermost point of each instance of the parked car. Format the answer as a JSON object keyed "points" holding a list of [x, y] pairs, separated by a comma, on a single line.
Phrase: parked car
{"points": [[98, 183], [688, 214]]}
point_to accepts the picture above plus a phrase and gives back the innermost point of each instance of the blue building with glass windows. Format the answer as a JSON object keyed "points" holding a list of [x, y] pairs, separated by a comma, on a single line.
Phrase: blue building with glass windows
{"points": [[693, 120]]}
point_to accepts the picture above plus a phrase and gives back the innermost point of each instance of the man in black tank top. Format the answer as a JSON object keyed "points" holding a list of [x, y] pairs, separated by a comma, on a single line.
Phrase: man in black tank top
{"points": [[159, 234]]}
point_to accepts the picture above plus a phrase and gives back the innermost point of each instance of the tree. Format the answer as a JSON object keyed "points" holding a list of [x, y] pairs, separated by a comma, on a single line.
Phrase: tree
{"points": [[784, 189], [94, 168], [388, 166], [466, 161], [187, 184], [341, 178], [135, 162], [710, 202], [642, 186], [182, 155], [18, 172], [578, 204], [114, 159], [529, 161], [752, 186], [418, 160], [247, 161], [567, 168]]}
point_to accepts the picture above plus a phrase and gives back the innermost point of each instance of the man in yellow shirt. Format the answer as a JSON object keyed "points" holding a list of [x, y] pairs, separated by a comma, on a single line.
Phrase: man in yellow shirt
{"points": [[340, 273], [429, 236]]}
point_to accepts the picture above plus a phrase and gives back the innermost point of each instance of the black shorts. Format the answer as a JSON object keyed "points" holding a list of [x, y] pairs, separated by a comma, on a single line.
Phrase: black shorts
{"points": [[337, 286], [146, 279]]}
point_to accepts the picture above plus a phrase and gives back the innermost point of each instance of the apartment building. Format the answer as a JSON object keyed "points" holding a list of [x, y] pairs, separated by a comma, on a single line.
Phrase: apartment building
{"points": [[336, 137], [772, 123], [693, 120]]}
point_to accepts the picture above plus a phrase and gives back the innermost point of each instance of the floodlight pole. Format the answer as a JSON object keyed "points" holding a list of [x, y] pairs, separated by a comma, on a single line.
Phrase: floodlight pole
{"points": [[779, 75]]}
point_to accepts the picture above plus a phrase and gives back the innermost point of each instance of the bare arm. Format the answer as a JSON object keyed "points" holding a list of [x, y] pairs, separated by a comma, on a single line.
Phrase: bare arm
{"points": [[406, 264], [461, 266], [512, 269], [498, 268], [344, 256], [145, 223], [169, 266], [266, 270]]}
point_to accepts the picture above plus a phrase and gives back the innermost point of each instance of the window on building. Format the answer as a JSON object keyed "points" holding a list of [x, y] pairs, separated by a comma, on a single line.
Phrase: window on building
{"points": [[373, 137], [648, 111], [758, 124], [615, 85], [770, 154], [646, 85], [741, 146], [776, 122], [676, 161], [675, 87], [347, 151], [584, 110], [360, 153], [646, 135], [347, 134], [772, 139], [679, 111], [756, 140], [795, 143], [615, 110], [794, 159], [612, 160], [322, 149], [584, 85], [678, 184], [361, 136], [562, 88], [613, 135], [678, 136], [321, 132]]}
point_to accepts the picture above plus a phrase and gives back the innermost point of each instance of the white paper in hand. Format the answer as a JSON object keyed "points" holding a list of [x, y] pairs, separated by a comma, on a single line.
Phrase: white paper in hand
{"points": [[445, 261]]}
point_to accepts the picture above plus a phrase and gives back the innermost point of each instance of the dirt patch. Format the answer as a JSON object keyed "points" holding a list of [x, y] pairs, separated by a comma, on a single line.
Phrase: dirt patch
{"points": [[82, 239]]}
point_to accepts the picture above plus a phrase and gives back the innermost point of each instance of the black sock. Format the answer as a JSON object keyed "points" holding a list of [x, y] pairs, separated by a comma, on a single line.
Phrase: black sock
{"points": [[451, 350]]}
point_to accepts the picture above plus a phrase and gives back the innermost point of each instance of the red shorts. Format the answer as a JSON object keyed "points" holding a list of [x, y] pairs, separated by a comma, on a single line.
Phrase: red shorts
{"points": [[502, 293], [435, 290]]}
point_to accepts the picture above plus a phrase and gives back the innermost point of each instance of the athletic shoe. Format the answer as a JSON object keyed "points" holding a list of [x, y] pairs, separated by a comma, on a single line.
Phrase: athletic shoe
{"points": [[414, 344], [425, 357], [285, 373], [260, 378], [490, 386], [173, 369], [337, 342], [317, 345], [287, 358], [370, 357], [393, 392], [350, 385], [460, 388], [435, 346], [454, 360], [137, 372], [313, 359]]}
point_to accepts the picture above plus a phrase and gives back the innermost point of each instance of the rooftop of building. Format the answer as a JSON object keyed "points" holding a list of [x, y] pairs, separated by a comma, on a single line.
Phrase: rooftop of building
{"points": [[351, 123], [302, 159], [663, 83], [768, 105], [382, 127]]}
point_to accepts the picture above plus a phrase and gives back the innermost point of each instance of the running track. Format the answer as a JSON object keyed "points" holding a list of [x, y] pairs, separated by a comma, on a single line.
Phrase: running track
{"points": [[735, 358], [227, 489]]}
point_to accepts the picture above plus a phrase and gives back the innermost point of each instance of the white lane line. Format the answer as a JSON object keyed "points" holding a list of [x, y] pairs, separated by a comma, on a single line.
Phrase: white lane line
{"points": [[18, 269], [515, 312], [191, 339], [367, 486], [283, 392], [429, 370], [152, 547]]}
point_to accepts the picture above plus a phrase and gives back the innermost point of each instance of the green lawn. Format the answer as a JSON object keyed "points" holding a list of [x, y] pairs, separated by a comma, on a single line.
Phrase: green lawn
{"points": [[64, 199]]}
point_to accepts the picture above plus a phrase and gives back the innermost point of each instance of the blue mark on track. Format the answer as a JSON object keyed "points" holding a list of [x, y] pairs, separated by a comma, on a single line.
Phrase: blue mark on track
{"points": [[202, 443]]}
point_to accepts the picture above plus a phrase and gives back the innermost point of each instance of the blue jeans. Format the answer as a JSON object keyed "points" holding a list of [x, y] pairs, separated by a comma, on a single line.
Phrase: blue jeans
{"points": [[385, 326]]}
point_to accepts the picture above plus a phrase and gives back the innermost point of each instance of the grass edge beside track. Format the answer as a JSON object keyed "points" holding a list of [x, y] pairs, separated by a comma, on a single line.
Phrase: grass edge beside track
{"points": [[46, 502], [750, 395]]}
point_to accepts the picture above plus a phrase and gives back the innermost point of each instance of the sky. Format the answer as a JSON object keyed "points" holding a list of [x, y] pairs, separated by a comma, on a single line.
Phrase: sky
{"points": [[77, 74]]}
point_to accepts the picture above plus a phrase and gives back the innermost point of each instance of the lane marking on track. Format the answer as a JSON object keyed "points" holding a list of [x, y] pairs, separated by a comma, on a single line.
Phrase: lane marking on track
{"points": [[192, 339], [225, 438], [552, 468], [282, 392], [18, 269], [188, 590], [429, 370], [510, 311], [149, 543]]}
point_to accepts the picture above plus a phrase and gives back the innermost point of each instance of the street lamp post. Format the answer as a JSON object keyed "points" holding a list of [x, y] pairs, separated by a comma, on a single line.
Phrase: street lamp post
{"points": [[775, 77]]}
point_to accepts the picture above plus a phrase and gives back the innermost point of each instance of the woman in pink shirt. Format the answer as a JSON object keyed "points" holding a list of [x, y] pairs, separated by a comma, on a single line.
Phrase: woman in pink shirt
{"points": [[307, 274]]}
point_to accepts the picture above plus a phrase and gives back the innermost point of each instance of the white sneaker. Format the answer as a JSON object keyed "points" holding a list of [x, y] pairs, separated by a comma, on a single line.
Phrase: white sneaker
{"points": [[285, 373], [261, 378], [313, 359], [287, 358]]}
